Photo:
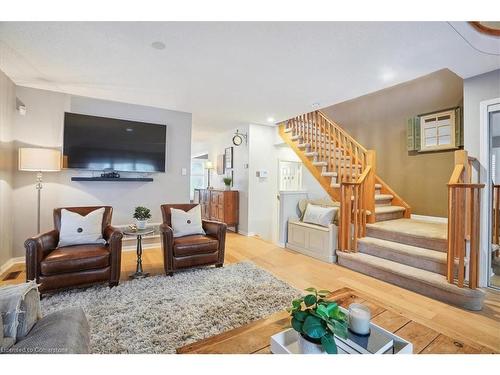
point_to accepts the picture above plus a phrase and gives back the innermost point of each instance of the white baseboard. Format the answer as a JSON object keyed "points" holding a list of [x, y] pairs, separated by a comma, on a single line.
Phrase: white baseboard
{"points": [[248, 234], [10, 263], [434, 219]]}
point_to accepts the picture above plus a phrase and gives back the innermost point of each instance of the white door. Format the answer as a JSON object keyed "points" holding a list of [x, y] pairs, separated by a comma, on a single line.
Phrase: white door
{"points": [[290, 175]]}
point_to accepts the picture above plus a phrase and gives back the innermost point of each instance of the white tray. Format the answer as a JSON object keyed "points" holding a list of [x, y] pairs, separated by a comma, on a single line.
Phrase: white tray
{"points": [[286, 342]]}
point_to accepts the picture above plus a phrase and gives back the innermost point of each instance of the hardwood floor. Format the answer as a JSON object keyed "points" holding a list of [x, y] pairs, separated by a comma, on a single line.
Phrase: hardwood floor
{"points": [[480, 330]]}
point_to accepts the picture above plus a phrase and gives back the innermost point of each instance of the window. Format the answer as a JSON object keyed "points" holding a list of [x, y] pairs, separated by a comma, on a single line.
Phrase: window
{"points": [[437, 131], [198, 175]]}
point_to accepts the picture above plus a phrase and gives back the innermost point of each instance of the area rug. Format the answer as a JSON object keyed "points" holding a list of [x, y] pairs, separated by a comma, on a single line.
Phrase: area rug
{"points": [[160, 313]]}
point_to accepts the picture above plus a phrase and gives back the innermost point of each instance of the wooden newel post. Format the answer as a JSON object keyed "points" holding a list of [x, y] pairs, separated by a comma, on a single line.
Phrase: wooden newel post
{"points": [[369, 190]]}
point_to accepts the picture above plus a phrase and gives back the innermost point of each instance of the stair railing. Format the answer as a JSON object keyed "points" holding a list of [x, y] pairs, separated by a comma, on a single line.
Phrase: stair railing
{"points": [[342, 153], [463, 223], [353, 211], [355, 168]]}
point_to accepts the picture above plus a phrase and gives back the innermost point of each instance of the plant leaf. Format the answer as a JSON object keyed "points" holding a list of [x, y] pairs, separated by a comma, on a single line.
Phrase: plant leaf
{"points": [[300, 315], [310, 289], [296, 303], [328, 343], [310, 300], [297, 325], [313, 327], [323, 292], [322, 311]]}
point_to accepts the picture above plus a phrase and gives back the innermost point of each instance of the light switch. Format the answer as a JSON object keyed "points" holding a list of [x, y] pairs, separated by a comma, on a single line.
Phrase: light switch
{"points": [[183, 171]]}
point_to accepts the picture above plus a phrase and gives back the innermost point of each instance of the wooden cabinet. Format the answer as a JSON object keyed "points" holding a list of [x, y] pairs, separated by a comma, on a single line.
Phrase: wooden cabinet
{"points": [[219, 205]]}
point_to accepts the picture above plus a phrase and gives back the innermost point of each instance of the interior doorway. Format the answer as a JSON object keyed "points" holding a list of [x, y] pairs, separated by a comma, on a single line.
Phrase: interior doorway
{"points": [[493, 119]]}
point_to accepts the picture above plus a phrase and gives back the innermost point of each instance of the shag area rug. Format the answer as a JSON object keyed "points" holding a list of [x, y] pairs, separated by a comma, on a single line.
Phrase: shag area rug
{"points": [[159, 314]]}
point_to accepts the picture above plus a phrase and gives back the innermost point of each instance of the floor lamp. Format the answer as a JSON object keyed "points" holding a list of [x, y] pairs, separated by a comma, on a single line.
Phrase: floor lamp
{"points": [[208, 166], [39, 160]]}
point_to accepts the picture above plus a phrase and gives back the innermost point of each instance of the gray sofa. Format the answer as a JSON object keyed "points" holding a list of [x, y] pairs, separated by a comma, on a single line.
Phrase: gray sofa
{"points": [[25, 331]]}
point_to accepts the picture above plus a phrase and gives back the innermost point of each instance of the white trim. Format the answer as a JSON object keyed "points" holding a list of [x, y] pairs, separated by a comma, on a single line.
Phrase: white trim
{"points": [[484, 150], [432, 219], [10, 263], [248, 234]]}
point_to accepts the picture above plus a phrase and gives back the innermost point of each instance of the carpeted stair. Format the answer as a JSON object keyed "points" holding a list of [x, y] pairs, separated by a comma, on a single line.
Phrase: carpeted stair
{"points": [[411, 254]]}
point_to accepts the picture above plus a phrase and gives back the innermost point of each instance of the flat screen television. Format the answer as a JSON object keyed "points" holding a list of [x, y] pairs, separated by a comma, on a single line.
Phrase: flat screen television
{"points": [[99, 143]]}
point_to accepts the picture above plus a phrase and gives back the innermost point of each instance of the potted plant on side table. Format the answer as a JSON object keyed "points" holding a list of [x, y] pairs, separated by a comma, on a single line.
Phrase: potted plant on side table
{"points": [[227, 182], [317, 321], [142, 215]]}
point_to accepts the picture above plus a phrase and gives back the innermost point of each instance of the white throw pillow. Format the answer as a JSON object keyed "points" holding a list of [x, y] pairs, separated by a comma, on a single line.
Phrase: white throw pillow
{"points": [[186, 223], [318, 215], [79, 230]]}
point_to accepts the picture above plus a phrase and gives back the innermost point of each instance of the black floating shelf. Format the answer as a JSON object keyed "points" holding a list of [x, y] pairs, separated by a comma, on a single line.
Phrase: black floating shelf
{"points": [[121, 179]]}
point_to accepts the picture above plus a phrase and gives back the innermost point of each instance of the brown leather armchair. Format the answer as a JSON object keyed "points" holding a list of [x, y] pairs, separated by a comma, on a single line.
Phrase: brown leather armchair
{"points": [[191, 251], [74, 266]]}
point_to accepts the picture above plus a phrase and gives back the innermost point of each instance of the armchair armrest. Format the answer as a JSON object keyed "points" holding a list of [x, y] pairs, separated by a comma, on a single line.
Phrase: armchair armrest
{"points": [[114, 236], [111, 233], [167, 246], [217, 230], [214, 228], [37, 248]]}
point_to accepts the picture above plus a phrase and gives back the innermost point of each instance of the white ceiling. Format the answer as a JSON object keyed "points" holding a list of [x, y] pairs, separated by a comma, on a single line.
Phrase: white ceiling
{"points": [[229, 74]]}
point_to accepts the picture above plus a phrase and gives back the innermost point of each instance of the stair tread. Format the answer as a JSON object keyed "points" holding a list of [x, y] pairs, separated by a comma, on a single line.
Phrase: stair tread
{"points": [[329, 174], [416, 228], [383, 197], [388, 209], [420, 252], [430, 278], [320, 163]]}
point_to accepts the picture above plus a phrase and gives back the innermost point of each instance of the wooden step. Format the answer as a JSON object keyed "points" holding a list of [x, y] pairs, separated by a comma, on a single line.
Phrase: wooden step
{"points": [[382, 200], [419, 257], [383, 213], [296, 137], [303, 145], [421, 281], [288, 130], [411, 232]]}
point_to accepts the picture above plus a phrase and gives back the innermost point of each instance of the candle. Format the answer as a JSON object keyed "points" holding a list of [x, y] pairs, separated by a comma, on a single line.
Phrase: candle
{"points": [[359, 319]]}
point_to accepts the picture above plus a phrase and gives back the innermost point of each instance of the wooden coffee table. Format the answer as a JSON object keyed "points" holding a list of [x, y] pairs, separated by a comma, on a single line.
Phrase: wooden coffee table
{"points": [[254, 338]]}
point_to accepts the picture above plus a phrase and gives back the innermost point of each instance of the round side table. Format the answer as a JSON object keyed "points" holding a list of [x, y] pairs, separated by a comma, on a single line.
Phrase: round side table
{"points": [[139, 274]]}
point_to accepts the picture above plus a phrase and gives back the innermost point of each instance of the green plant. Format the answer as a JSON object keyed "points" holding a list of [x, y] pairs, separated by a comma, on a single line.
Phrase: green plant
{"points": [[227, 181], [318, 319], [142, 213]]}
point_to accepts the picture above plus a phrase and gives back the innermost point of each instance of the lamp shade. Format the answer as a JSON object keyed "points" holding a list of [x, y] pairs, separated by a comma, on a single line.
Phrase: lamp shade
{"points": [[39, 159], [209, 164]]}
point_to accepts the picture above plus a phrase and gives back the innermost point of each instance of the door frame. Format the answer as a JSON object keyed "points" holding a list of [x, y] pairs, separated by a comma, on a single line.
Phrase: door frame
{"points": [[485, 107]]}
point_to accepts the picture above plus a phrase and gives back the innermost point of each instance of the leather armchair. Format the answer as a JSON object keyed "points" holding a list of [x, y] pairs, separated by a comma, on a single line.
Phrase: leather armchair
{"points": [[191, 251], [74, 266]]}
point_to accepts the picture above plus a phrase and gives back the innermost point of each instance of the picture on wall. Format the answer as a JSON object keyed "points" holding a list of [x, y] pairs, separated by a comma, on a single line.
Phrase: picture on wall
{"points": [[221, 168], [228, 156]]}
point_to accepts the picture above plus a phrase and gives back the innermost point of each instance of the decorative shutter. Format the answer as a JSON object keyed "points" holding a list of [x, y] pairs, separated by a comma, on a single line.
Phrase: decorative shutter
{"points": [[410, 135], [413, 134], [416, 125], [459, 128]]}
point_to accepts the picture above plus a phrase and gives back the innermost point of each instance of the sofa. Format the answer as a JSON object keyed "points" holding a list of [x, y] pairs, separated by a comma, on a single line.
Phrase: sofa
{"points": [[25, 331], [316, 241]]}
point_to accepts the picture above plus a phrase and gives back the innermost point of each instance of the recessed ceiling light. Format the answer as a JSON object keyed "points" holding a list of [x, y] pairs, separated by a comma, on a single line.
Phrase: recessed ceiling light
{"points": [[129, 129], [270, 119], [158, 45]]}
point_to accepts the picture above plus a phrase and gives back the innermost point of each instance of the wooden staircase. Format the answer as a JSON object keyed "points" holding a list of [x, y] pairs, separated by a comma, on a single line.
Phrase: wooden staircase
{"points": [[376, 235]]}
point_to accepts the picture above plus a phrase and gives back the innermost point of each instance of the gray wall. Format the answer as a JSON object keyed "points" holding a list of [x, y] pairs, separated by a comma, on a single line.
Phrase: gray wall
{"points": [[43, 127], [378, 122], [477, 89], [7, 111]]}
